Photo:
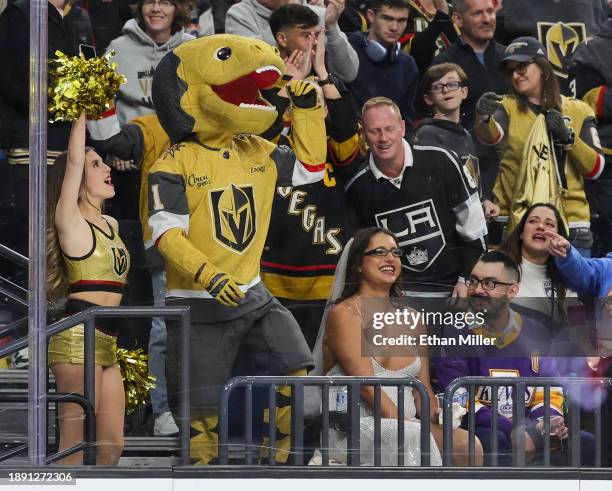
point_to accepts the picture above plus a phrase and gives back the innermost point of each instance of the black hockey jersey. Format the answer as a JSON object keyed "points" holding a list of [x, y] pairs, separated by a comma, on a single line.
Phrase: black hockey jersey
{"points": [[560, 25], [427, 34], [454, 137], [309, 224], [434, 212]]}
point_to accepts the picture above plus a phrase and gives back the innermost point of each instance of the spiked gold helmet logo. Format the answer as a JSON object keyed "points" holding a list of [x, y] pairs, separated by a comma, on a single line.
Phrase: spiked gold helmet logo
{"points": [[561, 40], [233, 210]]}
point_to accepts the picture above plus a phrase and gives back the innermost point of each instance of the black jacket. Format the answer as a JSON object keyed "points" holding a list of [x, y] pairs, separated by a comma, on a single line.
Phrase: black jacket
{"points": [[481, 79], [15, 74], [453, 137]]}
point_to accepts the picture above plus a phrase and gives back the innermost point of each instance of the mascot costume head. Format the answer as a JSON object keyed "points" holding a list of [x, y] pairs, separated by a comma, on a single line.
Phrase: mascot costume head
{"points": [[211, 87]]}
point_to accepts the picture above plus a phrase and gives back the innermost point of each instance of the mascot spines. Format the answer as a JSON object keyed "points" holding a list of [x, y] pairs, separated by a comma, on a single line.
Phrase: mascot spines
{"points": [[210, 199]]}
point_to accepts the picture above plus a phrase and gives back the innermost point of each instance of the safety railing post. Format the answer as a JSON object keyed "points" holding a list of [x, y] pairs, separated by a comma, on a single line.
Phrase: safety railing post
{"points": [[185, 387], [573, 405], [89, 457], [37, 297]]}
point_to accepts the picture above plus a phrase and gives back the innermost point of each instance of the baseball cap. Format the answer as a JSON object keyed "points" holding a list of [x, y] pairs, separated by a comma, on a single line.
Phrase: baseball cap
{"points": [[523, 49]]}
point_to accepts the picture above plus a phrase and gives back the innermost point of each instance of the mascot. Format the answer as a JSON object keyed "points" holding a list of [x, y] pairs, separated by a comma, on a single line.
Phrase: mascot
{"points": [[210, 198]]}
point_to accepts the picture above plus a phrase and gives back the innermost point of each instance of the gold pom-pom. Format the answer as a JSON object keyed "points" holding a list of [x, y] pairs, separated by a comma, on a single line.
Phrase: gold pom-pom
{"points": [[137, 381], [79, 85]]}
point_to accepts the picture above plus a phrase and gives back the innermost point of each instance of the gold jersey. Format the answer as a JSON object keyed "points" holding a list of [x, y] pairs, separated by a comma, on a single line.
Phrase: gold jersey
{"points": [[221, 199], [104, 268]]}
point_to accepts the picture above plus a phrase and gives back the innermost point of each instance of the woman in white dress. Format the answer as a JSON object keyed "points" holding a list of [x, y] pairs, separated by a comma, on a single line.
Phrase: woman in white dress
{"points": [[372, 281]]}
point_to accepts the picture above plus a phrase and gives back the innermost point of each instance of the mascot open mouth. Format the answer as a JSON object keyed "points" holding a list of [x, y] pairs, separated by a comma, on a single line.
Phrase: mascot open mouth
{"points": [[244, 91]]}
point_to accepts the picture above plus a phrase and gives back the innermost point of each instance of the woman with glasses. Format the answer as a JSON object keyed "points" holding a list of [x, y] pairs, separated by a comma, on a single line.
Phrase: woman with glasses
{"points": [[445, 89], [366, 284], [536, 126]]}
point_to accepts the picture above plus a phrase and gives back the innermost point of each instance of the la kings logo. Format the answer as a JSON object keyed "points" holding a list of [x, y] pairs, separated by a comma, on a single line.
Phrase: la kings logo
{"points": [[418, 232], [233, 216]]}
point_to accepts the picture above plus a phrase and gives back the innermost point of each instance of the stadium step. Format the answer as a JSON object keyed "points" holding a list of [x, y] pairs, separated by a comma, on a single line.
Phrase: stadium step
{"points": [[138, 450]]}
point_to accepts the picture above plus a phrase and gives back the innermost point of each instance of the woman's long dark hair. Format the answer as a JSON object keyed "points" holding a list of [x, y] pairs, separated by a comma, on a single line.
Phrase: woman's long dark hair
{"points": [[353, 278], [513, 246], [551, 92]]}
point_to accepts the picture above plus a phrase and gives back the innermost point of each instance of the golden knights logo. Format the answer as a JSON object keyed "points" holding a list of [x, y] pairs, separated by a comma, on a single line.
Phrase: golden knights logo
{"points": [[120, 260], [233, 216], [561, 40], [418, 233]]}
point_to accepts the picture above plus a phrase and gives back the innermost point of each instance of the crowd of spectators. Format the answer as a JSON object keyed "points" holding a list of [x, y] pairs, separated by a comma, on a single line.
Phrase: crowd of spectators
{"points": [[452, 130]]}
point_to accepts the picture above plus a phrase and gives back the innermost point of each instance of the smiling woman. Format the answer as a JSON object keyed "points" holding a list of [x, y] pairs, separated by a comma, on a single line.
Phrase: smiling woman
{"points": [[369, 275], [540, 128], [88, 266], [157, 28]]}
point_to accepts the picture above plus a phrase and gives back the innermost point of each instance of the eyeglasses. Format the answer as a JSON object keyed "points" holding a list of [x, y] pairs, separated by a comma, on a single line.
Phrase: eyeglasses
{"points": [[520, 68], [450, 87], [487, 284], [166, 4], [384, 252]]}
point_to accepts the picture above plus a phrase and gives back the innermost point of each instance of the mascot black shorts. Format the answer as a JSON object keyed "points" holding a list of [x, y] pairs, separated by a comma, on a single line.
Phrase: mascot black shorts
{"points": [[261, 333]]}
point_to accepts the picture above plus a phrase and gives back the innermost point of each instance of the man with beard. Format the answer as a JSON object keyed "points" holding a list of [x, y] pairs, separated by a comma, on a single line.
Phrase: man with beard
{"points": [[518, 343]]}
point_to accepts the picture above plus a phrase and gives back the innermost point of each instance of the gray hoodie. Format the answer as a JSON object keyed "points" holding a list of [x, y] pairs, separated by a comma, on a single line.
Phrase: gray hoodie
{"points": [[137, 55], [250, 18]]}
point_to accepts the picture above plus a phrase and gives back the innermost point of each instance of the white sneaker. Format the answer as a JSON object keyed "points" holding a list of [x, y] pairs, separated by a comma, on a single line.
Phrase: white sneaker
{"points": [[165, 425]]}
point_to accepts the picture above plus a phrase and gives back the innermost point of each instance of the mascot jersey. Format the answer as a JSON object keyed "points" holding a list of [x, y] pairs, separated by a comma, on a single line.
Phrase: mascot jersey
{"points": [[222, 209], [210, 195]]}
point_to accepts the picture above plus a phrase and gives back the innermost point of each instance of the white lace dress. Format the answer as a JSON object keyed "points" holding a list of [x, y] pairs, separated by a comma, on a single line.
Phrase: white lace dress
{"points": [[388, 427]]}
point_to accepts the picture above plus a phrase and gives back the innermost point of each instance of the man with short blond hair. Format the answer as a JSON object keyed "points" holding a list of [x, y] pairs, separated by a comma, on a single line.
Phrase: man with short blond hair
{"points": [[424, 195]]}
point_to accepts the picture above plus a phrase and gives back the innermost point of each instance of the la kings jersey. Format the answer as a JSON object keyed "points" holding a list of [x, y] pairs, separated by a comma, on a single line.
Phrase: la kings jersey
{"points": [[560, 25], [433, 209], [221, 201]]}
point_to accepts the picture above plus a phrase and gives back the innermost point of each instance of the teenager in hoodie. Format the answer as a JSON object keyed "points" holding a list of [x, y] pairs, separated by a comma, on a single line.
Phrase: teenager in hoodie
{"points": [[444, 90], [157, 28]]}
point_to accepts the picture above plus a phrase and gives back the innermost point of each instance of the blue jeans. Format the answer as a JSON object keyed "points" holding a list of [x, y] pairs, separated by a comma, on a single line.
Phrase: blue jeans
{"points": [[157, 347]]}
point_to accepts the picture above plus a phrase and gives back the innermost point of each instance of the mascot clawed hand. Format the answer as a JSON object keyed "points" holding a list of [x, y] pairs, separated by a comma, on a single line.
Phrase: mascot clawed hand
{"points": [[210, 198]]}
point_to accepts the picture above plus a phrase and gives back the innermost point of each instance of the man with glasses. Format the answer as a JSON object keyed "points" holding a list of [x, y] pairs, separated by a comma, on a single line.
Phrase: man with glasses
{"points": [[425, 195], [518, 349]]}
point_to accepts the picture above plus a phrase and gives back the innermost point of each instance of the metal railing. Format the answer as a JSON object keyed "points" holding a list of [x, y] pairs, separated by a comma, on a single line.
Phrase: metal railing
{"points": [[14, 256], [88, 318], [297, 385], [572, 390], [89, 426]]}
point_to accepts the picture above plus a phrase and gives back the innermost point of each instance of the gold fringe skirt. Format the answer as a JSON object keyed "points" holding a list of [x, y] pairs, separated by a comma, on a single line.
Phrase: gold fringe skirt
{"points": [[69, 347]]}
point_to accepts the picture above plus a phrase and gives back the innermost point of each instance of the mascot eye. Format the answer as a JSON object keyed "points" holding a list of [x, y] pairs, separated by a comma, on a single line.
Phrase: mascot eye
{"points": [[223, 54]]}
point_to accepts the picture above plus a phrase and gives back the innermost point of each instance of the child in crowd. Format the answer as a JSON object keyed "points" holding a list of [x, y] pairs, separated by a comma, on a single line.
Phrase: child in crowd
{"points": [[444, 90]]}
